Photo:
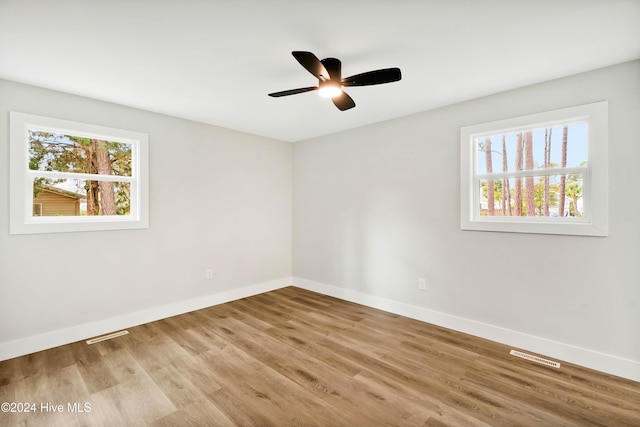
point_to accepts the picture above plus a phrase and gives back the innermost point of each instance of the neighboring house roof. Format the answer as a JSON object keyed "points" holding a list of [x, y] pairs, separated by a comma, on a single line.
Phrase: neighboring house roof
{"points": [[61, 192]]}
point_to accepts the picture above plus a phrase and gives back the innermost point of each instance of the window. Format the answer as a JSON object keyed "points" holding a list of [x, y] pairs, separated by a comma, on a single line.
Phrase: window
{"points": [[542, 173], [69, 176]]}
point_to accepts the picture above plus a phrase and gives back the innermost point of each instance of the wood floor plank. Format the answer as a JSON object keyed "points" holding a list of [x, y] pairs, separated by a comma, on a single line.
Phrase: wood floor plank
{"points": [[200, 413], [157, 352], [272, 391], [96, 375], [291, 363], [522, 385], [29, 366], [8, 394], [295, 335], [142, 403], [228, 310], [9, 371], [242, 386], [291, 357], [125, 368], [180, 334], [203, 378], [176, 386], [439, 412]]}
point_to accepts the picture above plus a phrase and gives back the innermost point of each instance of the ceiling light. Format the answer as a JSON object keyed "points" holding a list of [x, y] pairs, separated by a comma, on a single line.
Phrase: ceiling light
{"points": [[329, 89]]}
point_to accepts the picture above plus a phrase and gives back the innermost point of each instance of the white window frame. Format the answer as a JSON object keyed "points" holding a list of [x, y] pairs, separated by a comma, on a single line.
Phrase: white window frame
{"points": [[21, 218], [595, 176]]}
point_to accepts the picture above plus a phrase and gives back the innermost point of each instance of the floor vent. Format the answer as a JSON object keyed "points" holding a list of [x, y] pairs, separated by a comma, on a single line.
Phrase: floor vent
{"points": [[535, 358], [107, 337]]}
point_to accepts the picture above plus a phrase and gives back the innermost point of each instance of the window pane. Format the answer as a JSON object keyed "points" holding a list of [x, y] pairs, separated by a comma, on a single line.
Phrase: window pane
{"points": [[546, 196], [74, 197], [68, 153], [534, 149]]}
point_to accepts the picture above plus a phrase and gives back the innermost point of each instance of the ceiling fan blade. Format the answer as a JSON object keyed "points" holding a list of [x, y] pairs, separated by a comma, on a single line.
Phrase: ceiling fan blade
{"points": [[386, 75], [343, 101], [312, 64], [293, 91]]}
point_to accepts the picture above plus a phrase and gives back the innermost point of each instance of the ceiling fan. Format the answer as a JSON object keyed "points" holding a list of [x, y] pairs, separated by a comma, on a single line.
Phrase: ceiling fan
{"points": [[330, 82]]}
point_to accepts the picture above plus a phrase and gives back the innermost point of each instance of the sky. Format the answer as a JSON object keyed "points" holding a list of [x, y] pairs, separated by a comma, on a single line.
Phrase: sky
{"points": [[577, 148]]}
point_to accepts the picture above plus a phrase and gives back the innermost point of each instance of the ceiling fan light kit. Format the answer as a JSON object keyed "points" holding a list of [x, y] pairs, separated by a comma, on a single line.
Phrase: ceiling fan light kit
{"points": [[329, 89], [330, 82]]}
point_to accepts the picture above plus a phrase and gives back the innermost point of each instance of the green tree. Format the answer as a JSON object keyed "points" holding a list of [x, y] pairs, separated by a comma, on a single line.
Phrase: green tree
{"points": [[545, 196], [573, 191], [497, 190]]}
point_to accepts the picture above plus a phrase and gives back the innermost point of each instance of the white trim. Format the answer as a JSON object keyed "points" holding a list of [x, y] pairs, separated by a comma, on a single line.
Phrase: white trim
{"points": [[21, 219], [21, 347], [81, 176], [532, 172], [595, 184], [607, 363]]}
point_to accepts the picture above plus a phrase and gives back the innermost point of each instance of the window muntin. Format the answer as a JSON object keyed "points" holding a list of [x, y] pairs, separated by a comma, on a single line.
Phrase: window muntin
{"points": [[83, 177], [530, 162]]}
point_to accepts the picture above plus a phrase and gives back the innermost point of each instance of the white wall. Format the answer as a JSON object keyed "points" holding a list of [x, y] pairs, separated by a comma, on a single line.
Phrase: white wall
{"points": [[219, 199], [377, 207]]}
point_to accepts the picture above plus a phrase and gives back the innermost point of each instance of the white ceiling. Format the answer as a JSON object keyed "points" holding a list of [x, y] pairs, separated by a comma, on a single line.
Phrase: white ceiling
{"points": [[214, 61]]}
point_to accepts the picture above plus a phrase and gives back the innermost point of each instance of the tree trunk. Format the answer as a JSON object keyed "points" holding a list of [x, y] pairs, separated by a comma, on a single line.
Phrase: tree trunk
{"points": [[93, 206], [563, 178], [547, 162], [490, 187], [528, 181], [517, 191], [506, 193], [103, 164]]}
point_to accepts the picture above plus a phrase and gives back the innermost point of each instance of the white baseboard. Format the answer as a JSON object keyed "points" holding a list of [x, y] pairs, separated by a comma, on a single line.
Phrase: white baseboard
{"points": [[602, 362], [21, 347]]}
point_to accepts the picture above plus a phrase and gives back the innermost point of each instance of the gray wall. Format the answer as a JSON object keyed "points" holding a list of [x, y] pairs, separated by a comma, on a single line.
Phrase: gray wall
{"points": [[377, 207], [219, 199]]}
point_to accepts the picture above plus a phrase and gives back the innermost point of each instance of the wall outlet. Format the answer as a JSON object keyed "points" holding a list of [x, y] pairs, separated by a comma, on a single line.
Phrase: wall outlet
{"points": [[209, 273], [422, 284]]}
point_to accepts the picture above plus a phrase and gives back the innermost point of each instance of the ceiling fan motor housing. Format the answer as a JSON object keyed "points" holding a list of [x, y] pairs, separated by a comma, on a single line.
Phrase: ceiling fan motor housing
{"points": [[334, 68]]}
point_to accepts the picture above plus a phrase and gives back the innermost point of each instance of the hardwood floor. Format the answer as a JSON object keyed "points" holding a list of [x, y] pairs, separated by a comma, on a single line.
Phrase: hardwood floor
{"points": [[293, 357]]}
